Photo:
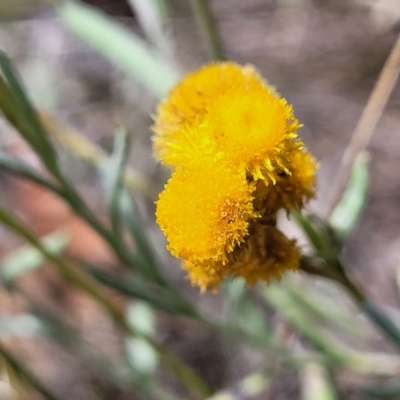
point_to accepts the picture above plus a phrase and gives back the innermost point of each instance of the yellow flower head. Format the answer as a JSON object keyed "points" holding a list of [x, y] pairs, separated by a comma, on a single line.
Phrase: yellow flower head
{"points": [[266, 255], [238, 161], [187, 104], [255, 129], [293, 188], [205, 213]]}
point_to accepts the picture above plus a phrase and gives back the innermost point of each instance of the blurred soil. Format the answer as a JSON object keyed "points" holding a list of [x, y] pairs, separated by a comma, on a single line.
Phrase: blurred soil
{"points": [[323, 56]]}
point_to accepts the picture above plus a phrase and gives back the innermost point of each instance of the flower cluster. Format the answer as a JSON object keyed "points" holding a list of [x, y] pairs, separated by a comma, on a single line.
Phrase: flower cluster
{"points": [[232, 142]]}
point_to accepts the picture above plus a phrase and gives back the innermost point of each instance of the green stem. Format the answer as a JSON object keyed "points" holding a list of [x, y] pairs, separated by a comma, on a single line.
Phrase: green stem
{"points": [[375, 313], [336, 271], [18, 168], [81, 209], [206, 22], [184, 373], [380, 318], [20, 369]]}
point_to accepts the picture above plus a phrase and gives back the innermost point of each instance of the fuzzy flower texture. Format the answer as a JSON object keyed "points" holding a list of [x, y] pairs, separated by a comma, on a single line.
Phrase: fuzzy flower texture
{"points": [[233, 145]]}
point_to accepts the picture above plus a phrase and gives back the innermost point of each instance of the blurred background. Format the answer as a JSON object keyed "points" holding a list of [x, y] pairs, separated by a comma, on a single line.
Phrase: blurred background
{"points": [[324, 56]]}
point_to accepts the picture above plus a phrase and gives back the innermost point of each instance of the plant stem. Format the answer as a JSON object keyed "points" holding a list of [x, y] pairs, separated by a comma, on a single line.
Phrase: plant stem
{"points": [[338, 274], [30, 378], [367, 123], [193, 382], [81, 209], [206, 22]]}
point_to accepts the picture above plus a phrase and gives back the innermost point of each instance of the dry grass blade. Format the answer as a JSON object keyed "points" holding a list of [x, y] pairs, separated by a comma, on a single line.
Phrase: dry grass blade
{"points": [[367, 122]]}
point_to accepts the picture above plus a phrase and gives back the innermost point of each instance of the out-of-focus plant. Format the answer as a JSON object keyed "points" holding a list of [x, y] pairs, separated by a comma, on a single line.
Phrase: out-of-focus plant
{"points": [[325, 328]]}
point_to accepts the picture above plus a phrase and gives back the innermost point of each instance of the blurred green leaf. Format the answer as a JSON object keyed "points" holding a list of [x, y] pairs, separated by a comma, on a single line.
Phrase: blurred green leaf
{"points": [[144, 255], [121, 46], [387, 390], [28, 258], [122, 211], [19, 168], [22, 325], [288, 307], [192, 381], [381, 318], [319, 234], [112, 170], [54, 327], [19, 111], [328, 311], [141, 317], [347, 213], [90, 152], [309, 231], [22, 375], [244, 313], [316, 383], [141, 355], [135, 288], [151, 15], [246, 389]]}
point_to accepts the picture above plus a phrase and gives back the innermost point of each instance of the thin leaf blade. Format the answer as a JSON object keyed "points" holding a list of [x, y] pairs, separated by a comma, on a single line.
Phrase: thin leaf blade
{"points": [[120, 46], [347, 213]]}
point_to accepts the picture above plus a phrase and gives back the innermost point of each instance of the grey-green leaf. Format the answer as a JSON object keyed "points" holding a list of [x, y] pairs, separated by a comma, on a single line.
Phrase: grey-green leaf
{"points": [[140, 290], [121, 46], [347, 213], [27, 258], [112, 170]]}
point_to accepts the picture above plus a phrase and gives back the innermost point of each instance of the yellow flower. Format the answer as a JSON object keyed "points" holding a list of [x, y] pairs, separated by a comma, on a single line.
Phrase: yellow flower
{"points": [[266, 255], [205, 213], [293, 188], [238, 161], [187, 104], [255, 129]]}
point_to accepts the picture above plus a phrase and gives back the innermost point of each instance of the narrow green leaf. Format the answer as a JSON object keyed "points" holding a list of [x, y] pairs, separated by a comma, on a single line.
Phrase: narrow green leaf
{"points": [[151, 15], [185, 374], [19, 368], [327, 310], [244, 313], [28, 258], [121, 46], [144, 256], [387, 390], [122, 210], [55, 328], [19, 111], [112, 170], [309, 231], [19, 168], [381, 318], [347, 213], [139, 290], [319, 234], [316, 383], [15, 225], [288, 307]]}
